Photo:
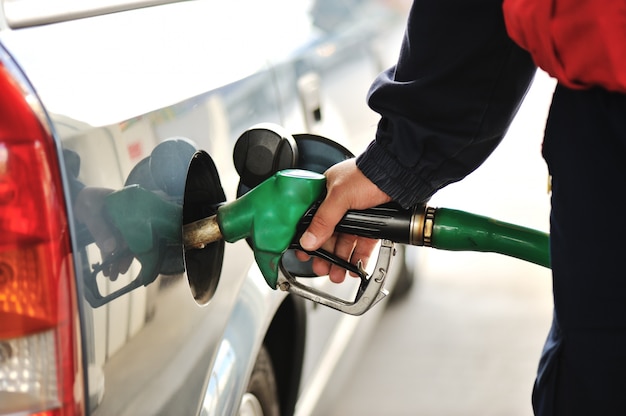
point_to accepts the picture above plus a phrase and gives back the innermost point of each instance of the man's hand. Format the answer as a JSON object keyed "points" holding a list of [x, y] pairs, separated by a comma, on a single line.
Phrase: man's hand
{"points": [[347, 188]]}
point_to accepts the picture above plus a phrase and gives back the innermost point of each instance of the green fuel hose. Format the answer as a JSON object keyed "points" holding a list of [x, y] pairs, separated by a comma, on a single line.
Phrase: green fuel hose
{"points": [[461, 231]]}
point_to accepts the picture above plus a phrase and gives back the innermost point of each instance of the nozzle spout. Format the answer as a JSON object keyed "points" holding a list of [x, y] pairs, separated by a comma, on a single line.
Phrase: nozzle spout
{"points": [[199, 233]]}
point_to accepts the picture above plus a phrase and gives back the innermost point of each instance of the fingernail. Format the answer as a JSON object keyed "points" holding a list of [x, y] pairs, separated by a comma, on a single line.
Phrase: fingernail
{"points": [[308, 240]]}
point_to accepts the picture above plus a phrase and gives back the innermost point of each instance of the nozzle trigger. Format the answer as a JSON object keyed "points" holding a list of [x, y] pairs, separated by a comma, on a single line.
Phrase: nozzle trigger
{"points": [[371, 289]]}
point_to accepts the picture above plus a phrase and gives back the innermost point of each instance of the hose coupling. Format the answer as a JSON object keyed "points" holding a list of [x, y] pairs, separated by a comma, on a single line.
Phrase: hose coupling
{"points": [[422, 224]]}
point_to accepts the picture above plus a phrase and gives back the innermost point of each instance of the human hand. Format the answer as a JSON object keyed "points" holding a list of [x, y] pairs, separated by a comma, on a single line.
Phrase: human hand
{"points": [[346, 188], [88, 208]]}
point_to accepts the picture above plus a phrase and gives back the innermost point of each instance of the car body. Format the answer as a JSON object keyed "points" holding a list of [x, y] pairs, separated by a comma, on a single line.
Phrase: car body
{"points": [[100, 86]]}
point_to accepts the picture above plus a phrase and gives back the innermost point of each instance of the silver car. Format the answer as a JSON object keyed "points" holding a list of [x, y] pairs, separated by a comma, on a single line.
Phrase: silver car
{"points": [[99, 313]]}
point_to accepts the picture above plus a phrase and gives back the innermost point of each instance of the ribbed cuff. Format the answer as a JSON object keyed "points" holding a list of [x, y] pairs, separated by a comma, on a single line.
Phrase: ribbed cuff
{"points": [[402, 184]]}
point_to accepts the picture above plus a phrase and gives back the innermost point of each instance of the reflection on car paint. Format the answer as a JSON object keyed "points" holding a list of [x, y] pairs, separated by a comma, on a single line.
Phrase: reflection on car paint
{"points": [[223, 373]]}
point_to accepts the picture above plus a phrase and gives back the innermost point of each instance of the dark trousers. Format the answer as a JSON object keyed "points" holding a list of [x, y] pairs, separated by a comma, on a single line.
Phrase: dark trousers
{"points": [[583, 366]]}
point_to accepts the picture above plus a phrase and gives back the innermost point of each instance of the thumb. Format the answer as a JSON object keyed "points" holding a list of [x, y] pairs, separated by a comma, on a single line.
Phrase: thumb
{"points": [[323, 223]]}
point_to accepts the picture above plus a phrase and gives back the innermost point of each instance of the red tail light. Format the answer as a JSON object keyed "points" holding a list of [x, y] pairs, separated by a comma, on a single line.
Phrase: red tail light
{"points": [[40, 365]]}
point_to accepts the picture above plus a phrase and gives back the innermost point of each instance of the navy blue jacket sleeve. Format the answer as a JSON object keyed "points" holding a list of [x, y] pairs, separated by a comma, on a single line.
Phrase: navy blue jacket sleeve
{"points": [[448, 101]]}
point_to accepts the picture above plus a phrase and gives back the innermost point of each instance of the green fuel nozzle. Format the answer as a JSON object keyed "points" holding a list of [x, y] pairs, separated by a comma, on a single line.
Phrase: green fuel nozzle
{"points": [[267, 216], [273, 214]]}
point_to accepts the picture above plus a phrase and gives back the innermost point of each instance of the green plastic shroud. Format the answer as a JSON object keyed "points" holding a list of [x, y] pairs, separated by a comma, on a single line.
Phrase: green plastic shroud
{"points": [[461, 231], [269, 214]]}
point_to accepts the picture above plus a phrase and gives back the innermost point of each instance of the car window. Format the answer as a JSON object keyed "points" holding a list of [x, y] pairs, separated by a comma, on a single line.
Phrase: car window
{"points": [[25, 13]]}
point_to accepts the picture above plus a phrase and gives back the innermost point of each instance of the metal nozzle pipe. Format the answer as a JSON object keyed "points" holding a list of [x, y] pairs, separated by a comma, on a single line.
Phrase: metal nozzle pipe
{"points": [[202, 232]]}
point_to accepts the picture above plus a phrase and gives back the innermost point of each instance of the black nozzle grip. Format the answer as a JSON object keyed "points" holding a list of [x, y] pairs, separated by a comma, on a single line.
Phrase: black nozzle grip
{"points": [[388, 221]]}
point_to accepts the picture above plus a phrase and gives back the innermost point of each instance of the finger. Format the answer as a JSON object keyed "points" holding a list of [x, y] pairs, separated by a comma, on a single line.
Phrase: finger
{"points": [[124, 263], [120, 266], [329, 213], [323, 223], [337, 274], [301, 255], [343, 249], [113, 272], [344, 246], [108, 271], [320, 266], [363, 251]]}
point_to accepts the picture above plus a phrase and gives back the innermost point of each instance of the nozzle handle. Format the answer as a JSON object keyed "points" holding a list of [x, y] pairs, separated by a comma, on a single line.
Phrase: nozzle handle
{"points": [[384, 222], [444, 229]]}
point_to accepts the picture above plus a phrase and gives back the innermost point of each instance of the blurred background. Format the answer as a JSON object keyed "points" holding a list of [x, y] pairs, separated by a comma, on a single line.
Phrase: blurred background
{"points": [[467, 338]]}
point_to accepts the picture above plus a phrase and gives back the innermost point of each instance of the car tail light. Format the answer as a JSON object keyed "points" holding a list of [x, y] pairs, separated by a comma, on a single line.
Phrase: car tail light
{"points": [[40, 364]]}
